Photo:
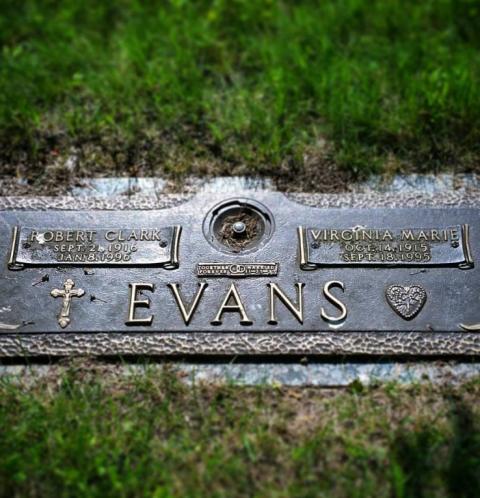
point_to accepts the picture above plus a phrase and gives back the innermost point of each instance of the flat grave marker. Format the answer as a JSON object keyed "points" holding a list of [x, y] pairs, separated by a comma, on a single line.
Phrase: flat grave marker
{"points": [[256, 274]]}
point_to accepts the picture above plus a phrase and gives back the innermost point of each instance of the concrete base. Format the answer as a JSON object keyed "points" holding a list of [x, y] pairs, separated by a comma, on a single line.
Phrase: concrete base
{"points": [[324, 374]]}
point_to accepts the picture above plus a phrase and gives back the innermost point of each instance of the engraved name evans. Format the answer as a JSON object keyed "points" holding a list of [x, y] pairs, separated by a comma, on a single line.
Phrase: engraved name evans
{"points": [[102, 246], [232, 302], [448, 246]]}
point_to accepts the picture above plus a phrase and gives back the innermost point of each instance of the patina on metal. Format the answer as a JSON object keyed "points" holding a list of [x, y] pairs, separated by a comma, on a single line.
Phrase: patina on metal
{"points": [[200, 306]]}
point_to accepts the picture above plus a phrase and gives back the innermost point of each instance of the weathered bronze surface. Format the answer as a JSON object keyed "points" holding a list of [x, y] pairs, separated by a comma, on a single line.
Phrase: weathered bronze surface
{"points": [[185, 280]]}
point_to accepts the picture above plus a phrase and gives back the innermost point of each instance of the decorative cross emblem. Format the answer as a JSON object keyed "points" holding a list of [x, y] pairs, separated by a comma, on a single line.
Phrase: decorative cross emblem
{"points": [[67, 293]]}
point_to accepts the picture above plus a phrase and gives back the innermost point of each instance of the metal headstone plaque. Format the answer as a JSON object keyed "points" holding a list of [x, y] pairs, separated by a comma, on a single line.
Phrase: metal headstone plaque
{"points": [[253, 275]]}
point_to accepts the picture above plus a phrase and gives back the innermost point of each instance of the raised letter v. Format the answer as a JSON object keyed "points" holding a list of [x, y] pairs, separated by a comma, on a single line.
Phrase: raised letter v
{"points": [[187, 315]]}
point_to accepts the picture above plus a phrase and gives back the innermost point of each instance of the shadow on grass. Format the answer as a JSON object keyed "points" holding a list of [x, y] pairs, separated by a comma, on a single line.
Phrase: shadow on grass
{"points": [[427, 459], [463, 473]]}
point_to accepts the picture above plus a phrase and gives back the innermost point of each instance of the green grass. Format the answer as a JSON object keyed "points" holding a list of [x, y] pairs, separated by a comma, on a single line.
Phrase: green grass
{"points": [[92, 432], [242, 85]]}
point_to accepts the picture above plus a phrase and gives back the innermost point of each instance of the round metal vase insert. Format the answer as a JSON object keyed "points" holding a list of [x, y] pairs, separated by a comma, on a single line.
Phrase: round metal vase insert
{"points": [[238, 226]]}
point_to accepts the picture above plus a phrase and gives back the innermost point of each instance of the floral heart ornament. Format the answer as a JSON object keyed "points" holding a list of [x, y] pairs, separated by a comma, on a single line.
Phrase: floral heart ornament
{"points": [[406, 301]]}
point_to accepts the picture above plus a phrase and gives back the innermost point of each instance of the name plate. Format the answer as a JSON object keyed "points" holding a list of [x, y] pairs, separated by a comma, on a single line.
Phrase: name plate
{"points": [[94, 247], [237, 270], [449, 246]]}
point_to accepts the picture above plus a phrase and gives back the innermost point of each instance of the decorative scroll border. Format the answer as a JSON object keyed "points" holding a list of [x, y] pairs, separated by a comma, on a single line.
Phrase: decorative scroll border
{"points": [[392, 344], [171, 264], [306, 265]]}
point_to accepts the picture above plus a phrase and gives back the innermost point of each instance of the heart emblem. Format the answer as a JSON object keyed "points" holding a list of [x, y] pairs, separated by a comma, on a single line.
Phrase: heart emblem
{"points": [[407, 301]]}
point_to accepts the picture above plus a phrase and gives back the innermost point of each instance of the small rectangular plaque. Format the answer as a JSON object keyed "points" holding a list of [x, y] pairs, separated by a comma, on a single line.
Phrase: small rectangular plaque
{"points": [[94, 247], [321, 247], [237, 269]]}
